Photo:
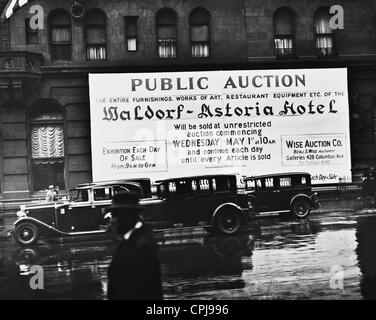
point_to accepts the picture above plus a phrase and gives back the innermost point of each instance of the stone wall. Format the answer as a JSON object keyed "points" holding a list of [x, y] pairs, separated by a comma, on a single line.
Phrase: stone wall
{"points": [[241, 37], [357, 37], [227, 31]]}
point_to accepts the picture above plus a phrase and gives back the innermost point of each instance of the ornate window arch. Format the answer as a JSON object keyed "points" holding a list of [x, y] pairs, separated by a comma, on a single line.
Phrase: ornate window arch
{"points": [[60, 35], [96, 35], [199, 24], [166, 33], [324, 36], [284, 32], [47, 147]]}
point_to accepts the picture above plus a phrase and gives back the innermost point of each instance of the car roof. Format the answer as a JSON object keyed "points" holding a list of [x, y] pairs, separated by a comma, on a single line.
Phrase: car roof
{"points": [[281, 174], [110, 183], [209, 176]]}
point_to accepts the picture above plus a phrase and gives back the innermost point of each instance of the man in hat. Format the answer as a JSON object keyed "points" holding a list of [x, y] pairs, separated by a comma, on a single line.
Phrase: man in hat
{"points": [[134, 272]]}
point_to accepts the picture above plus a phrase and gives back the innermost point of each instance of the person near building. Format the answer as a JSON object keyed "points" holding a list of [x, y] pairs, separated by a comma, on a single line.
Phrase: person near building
{"points": [[134, 272], [369, 184], [50, 193], [56, 193]]}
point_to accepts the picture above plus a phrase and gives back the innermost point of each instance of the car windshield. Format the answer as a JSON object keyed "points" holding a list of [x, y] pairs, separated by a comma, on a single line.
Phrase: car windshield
{"points": [[72, 194], [78, 195]]}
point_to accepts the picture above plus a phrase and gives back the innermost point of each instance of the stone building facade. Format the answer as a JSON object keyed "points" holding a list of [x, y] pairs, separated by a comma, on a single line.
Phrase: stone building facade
{"points": [[44, 101]]}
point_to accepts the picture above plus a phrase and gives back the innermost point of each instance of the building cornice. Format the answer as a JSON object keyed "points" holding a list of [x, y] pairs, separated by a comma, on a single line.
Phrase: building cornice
{"points": [[83, 70]]}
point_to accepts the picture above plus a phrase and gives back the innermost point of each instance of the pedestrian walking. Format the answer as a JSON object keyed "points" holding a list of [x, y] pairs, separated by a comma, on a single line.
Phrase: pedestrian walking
{"points": [[134, 272]]}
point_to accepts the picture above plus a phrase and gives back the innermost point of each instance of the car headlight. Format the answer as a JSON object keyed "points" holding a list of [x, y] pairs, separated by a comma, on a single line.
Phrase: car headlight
{"points": [[21, 214], [108, 216]]}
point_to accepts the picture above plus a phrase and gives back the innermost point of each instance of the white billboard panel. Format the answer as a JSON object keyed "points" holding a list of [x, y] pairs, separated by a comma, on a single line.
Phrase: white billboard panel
{"points": [[161, 125]]}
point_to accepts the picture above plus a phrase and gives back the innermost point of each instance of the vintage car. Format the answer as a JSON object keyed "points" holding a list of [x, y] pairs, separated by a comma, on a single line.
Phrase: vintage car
{"points": [[282, 193], [212, 202], [82, 214]]}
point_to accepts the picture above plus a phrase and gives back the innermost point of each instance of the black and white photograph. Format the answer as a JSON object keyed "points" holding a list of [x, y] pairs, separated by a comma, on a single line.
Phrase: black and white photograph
{"points": [[187, 150]]}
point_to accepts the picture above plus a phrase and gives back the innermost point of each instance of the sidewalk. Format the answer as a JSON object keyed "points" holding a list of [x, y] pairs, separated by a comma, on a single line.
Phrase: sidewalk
{"points": [[343, 205]]}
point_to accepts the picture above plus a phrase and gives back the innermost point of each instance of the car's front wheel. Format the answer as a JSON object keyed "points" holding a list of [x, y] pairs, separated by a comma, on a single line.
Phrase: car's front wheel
{"points": [[301, 208], [26, 234], [228, 221]]}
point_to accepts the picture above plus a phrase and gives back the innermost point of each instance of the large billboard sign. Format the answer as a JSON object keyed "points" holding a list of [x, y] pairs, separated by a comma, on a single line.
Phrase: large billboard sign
{"points": [[161, 125]]}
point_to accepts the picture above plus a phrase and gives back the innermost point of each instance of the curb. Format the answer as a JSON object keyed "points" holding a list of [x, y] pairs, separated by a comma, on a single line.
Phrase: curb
{"points": [[344, 210]]}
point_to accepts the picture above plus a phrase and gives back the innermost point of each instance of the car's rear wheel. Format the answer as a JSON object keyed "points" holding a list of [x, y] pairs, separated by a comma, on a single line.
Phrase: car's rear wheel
{"points": [[26, 234], [228, 221], [301, 208]]}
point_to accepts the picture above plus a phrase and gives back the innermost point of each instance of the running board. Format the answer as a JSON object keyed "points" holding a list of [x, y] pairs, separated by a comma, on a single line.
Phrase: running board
{"points": [[272, 212], [85, 232]]}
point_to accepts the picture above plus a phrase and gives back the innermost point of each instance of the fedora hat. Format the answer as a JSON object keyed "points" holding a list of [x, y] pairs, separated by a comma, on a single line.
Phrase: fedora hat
{"points": [[125, 200]]}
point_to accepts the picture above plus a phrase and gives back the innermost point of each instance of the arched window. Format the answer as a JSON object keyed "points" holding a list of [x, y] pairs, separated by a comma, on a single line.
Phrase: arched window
{"points": [[47, 145], [284, 33], [96, 35], [60, 35], [199, 21], [166, 33], [324, 33]]}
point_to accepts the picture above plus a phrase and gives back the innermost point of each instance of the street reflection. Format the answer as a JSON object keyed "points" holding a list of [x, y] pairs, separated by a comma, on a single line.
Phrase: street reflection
{"points": [[71, 271], [366, 251], [204, 267], [273, 258]]}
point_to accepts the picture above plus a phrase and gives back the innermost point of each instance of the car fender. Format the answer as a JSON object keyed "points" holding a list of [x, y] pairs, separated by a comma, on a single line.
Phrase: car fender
{"points": [[301, 195], [38, 223], [224, 205]]}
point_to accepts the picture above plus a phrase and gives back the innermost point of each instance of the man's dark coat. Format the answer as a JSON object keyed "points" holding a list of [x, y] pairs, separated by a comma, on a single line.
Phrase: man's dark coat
{"points": [[134, 273]]}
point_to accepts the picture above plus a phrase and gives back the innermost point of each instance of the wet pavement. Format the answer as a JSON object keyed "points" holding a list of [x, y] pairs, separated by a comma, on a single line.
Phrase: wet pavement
{"points": [[326, 256]]}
